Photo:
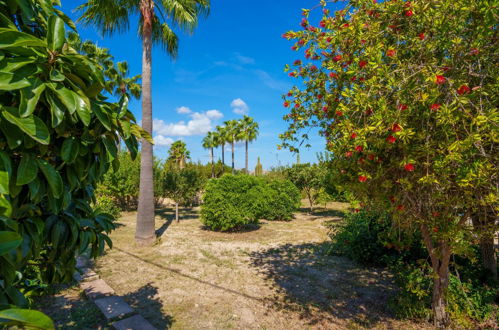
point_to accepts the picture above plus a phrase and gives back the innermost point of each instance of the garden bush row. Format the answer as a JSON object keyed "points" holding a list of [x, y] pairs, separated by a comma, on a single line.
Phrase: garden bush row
{"points": [[233, 202]]}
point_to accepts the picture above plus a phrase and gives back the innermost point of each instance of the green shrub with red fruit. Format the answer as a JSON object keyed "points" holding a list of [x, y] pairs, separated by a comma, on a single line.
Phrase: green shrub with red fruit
{"points": [[405, 94]]}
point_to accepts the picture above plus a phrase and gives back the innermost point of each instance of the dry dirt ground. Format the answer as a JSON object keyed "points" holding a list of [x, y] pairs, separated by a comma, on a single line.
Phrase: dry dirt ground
{"points": [[277, 276]]}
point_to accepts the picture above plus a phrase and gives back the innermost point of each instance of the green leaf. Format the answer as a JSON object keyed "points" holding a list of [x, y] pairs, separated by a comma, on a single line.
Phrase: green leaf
{"points": [[10, 81], [56, 33], [53, 177], [102, 115], [5, 207], [11, 38], [27, 318], [13, 134], [9, 240], [123, 105], [32, 125], [69, 150], [73, 102], [30, 96], [56, 110], [27, 170], [5, 172]]}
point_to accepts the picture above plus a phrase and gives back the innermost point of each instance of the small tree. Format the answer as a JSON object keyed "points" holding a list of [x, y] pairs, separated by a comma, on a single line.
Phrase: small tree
{"points": [[178, 154], [406, 95], [181, 186], [309, 179], [258, 168]]}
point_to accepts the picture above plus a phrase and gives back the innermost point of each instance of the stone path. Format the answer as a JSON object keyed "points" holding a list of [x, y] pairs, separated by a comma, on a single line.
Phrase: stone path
{"points": [[116, 311]]}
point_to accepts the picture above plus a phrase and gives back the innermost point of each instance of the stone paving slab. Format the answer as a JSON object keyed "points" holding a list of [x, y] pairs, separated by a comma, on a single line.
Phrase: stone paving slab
{"points": [[96, 289], [136, 322], [113, 307], [86, 275]]}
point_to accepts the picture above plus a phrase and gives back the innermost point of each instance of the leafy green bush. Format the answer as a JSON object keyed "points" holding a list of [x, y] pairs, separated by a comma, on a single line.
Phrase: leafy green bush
{"points": [[227, 204], [283, 199], [107, 204], [470, 302], [235, 201], [367, 238]]}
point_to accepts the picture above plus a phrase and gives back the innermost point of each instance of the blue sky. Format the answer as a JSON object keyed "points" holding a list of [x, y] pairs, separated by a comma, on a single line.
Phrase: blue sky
{"points": [[232, 64]]}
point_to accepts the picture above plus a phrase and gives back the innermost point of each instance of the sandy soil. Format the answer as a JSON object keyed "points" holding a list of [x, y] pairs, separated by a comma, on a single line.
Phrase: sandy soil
{"points": [[277, 276]]}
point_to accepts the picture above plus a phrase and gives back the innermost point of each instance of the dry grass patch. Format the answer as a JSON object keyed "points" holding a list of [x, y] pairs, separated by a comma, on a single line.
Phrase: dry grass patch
{"points": [[273, 277]]}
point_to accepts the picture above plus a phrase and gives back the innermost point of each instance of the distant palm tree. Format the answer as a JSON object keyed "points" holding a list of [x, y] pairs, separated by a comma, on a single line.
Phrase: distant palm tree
{"points": [[156, 19], [178, 154], [249, 132], [209, 142], [221, 140], [233, 132]]}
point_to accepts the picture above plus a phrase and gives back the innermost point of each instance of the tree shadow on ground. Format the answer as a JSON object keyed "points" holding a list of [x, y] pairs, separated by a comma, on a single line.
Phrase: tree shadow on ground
{"points": [[145, 301], [168, 214], [322, 212], [324, 288]]}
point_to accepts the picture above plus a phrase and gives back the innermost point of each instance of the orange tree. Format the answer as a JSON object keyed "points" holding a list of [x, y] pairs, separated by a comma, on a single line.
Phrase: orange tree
{"points": [[405, 94]]}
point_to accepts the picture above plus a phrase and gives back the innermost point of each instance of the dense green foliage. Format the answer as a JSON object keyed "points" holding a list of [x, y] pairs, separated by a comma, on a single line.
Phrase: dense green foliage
{"points": [[182, 186], [369, 238], [309, 178], [226, 205], [121, 185], [405, 94], [283, 199], [58, 137], [235, 201]]}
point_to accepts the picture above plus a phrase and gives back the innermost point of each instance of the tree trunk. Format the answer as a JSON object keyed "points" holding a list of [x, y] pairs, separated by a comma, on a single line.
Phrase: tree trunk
{"points": [[247, 157], [309, 195], [144, 232], [232, 157], [440, 254], [212, 164], [176, 212], [223, 157]]}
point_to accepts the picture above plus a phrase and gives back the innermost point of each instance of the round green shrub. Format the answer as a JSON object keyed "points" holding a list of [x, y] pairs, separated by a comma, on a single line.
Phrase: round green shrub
{"points": [[283, 198], [227, 203]]}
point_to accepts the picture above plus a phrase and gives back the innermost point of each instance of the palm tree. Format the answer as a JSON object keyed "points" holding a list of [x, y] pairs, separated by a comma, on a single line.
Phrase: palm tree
{"points": [[209, 142], [249, 132], [222, 139], [156, 20], [178, 154], [233, 132]]}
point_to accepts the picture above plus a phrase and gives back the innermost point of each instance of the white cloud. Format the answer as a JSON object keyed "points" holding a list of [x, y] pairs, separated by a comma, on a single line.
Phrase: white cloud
{"points": [[162, 141], [199, 124], [183, 110], [214, 114], [239, 107]]}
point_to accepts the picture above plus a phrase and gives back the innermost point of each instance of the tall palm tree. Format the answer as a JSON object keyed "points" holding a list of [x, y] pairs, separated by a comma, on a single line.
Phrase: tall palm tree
{"points": [[249, 132], [209, 142], [232, 129], [179, 154], [156, 20], [222, 139]]}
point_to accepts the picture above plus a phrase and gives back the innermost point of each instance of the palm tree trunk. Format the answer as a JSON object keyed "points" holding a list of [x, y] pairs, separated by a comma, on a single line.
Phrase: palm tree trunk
{"points": [[212, 163], [144, 233], [247, 157], [223, 156], [232, 157]]}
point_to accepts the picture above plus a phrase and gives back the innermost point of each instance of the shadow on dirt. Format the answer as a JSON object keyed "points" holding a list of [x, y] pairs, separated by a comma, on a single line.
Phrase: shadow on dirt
{"points": [[324, 288], [145, 302]]}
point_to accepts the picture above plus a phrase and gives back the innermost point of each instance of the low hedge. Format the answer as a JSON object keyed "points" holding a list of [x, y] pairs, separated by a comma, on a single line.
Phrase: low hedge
{"points": [[236, 201]]}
